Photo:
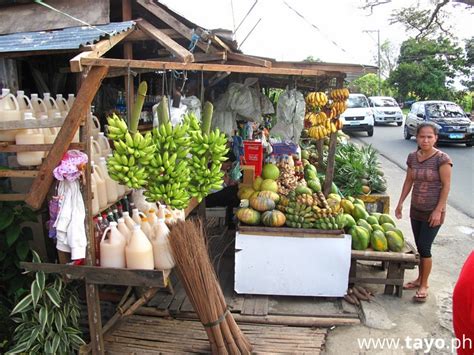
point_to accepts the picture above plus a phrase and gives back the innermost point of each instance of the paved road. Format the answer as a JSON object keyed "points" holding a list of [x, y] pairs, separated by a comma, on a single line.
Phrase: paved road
{"points": [[389, 141]]}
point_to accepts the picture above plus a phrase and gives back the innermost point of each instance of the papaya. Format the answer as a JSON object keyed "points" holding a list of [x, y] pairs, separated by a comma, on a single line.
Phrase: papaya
{"points": [[385, 218], [376, 215], [310, 175], [300, 190], [372, 220], [347, 205], [349, 221], [245, 193], [334, 196], [256, 183], [360, 238], [377, 227], [387, 227], [378, 241], [315, 185], [399, 232], [359, 202], [350, 198], [310, 167], [359, 212], [364, 224], [334, 189], [395, 242]]}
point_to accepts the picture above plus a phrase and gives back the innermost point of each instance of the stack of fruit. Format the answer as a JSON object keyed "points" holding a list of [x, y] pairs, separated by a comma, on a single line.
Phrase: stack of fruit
{"points": [[288, 180], [322, 114], [376, 230]]}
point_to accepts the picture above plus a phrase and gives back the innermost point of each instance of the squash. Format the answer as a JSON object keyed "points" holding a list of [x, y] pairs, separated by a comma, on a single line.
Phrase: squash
{"points": [[270, 194], [248, 216], [262, 204], [273, 218]]}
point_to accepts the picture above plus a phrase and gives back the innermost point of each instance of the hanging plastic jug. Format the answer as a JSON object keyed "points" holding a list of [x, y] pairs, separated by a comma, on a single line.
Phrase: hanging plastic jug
{"points": [[128, 220], [120, 188], [9, 111], [29, 136], [95, 125], [24, 102], [70, 100], [49, 134], [101, 188], [63, 106], [137, 216], [38, 105], [95, 196], [112, 249], [139, 251], [162, 255], [104, 144], [151, 215], [51, 105], [122, 227], [111, 186], [96, 150]]}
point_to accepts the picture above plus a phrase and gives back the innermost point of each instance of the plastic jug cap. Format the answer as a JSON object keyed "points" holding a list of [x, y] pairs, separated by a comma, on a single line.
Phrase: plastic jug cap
{"points": [[101, 134], [20, 93], [43, 117], [125, 213], [136, 227], [46, 94], [28, 115], [102, 159], [57, 115], [113, 224], [121, 220], [5, 92], [70, 95], [59, 96], [34, 96]]}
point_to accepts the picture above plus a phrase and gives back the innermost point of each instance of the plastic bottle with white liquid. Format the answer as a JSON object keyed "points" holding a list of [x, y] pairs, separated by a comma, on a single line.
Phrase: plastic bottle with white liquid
{"points": [[29, 136], [139, 251], [112, 249]]}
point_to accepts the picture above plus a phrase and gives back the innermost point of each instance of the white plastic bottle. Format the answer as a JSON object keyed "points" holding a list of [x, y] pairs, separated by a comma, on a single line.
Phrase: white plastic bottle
{"points": [[70, 100], [38, 105], [146, 228], [24, 102], [120, 188], [111, 186], [29, 136], [162, 255], [9, 111], [151, 215], [95, 196], [104, 144], [122, 227], [101, 187], [62, 104], [139, 251], [137, 216], [112, 249], [128, 220], [51, 105], [95, 125]]}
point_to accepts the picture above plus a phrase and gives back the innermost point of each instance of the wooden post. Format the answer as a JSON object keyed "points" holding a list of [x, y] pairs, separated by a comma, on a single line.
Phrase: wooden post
{"points": [[128, 54], [330, 163], [43, 181], [319, 148]]}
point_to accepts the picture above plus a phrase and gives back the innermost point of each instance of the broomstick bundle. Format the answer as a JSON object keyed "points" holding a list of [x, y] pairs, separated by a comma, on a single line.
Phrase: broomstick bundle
{"points": [[203, 290]]}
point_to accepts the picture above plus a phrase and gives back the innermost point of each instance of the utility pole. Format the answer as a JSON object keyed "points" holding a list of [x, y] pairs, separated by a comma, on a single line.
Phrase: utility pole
{"points": [[378, 60]]}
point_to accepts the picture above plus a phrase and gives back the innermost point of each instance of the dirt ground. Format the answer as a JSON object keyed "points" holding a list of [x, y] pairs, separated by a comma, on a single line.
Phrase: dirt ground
{"points": [[428, 326]]}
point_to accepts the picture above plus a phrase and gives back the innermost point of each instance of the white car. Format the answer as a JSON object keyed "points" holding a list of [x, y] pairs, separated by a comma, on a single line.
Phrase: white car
{"points": [[386, 110], [358, 116]]}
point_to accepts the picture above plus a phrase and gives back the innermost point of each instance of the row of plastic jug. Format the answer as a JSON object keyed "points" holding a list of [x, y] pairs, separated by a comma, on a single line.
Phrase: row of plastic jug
{"points": [[105, 190], [136, 243]]}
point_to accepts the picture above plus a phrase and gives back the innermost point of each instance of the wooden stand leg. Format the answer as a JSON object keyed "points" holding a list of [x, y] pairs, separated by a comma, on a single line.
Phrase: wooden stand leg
{"points": [[395, 271], [95, 322], [353, 270]]}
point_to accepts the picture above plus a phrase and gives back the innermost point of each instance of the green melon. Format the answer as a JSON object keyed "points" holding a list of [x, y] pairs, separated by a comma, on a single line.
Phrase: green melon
{"points": [[270, 171], [256, 183], [269, 185]]}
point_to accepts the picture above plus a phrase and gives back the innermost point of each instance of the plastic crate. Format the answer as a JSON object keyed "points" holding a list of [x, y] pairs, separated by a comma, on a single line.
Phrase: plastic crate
{"points": [[284, 148]]}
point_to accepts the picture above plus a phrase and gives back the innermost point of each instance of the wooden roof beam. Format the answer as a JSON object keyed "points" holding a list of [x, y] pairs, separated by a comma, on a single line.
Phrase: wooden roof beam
{"points": [[173, 23], [249, 59], [124, 63], [139, 35], [98, 50], [166, 41]]}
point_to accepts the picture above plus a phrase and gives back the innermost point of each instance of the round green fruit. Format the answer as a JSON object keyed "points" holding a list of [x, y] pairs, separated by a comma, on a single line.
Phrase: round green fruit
{"points": [[270, 171]]}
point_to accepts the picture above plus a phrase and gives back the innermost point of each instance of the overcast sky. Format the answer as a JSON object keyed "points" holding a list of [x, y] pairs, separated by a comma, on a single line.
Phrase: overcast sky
{"points": [[283, 35]]}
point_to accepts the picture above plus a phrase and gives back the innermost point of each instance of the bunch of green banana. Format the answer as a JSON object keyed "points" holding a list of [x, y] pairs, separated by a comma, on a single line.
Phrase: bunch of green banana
{"points": [[117, 128], [209, 151], [171, 175], [131, 158]]}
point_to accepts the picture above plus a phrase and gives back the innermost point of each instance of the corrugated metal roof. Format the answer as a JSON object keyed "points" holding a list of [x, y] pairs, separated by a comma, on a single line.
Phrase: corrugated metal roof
{"points": [[67, 38]]}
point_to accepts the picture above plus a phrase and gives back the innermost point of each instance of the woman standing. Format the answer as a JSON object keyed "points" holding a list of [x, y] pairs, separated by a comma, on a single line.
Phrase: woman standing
{"points": [[429, 174]]}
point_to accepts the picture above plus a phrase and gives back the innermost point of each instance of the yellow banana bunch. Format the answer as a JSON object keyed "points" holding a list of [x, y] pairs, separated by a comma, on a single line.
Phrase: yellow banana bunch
{"points": [[117, 128], [209, 151], [338, 124], [318, 132], [339, 106], [316, 99], [340, 94]]}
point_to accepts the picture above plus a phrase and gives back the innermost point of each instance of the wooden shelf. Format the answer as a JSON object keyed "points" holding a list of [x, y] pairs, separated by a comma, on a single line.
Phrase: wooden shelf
{"points": [[7, 147], [19, 173], [103, 276], [13, 197]]}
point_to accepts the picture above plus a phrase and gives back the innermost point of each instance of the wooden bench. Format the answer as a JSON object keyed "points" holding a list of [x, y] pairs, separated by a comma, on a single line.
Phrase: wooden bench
{"points": [[395, 265]]}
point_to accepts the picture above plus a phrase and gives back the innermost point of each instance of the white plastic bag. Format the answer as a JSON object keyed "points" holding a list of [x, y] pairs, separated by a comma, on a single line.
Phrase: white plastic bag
{"points": [[225, 121], [290, 116], [193, 104]]}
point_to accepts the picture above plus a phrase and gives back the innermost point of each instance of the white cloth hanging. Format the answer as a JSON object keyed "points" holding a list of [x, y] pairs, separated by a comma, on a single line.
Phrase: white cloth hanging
{"points": [[70, 230]]}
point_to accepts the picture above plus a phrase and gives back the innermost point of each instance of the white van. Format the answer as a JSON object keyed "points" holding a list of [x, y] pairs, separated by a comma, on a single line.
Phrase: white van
{"points": [[358, 116], [386, 110]]}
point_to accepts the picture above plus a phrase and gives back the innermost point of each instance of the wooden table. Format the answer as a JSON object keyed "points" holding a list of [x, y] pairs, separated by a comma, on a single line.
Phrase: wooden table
{"points": [[394, 264]]}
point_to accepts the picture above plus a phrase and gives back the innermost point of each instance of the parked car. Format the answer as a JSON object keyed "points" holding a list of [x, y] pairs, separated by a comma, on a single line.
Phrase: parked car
{"points": [[386, 110], [453, 123], [358, 115]]}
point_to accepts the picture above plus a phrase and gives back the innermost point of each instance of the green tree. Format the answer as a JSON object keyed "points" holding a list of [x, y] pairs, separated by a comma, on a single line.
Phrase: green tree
{"points": [[426, 68], [367, 85], [388, 58], [469, 49]]}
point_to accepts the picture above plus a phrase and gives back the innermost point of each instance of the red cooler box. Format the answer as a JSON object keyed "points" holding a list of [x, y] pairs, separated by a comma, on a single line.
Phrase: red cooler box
{"points": [[253, 155]]}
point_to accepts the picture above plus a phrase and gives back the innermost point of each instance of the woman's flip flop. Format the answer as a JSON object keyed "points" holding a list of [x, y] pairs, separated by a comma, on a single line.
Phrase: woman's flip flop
{"points": [[410, 286], [420, 297]]}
